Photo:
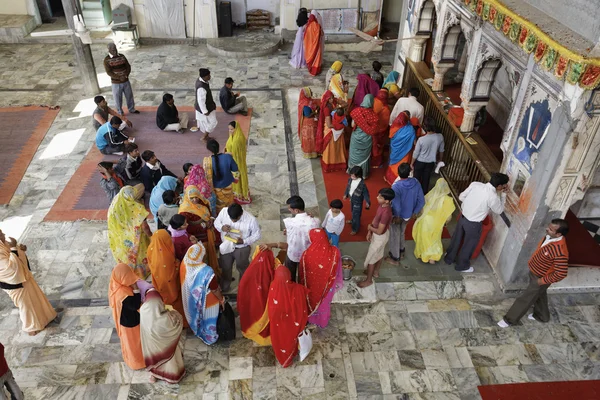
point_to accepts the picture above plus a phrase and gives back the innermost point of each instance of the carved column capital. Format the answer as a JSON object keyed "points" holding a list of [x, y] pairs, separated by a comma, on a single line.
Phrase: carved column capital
{"points": [[416, 47], [440, 70], [471, 110]]}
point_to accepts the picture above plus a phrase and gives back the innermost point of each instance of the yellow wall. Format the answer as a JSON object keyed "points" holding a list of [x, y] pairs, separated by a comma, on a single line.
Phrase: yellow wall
{"points": [[13, 7]]}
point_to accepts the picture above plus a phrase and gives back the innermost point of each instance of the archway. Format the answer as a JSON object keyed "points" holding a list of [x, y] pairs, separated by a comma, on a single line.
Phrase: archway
{"points": [[427, 26]]}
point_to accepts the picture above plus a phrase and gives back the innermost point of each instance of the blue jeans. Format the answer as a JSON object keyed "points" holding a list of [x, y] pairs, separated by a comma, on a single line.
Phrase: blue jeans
{"points": [[334, 238], [356, 214], [120, 89]]}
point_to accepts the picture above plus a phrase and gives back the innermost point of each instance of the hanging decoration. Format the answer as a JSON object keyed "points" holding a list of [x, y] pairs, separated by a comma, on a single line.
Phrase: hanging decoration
{"points": [[551, 55]]}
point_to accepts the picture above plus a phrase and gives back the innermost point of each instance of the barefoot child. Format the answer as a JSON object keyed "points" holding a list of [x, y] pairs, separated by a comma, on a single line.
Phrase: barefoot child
{"points": [[378, 236], [357, 191], [334, 222]]}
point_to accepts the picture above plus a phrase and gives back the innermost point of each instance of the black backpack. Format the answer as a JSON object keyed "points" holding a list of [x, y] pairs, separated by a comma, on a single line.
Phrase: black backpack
{"points": [[226, 323]]}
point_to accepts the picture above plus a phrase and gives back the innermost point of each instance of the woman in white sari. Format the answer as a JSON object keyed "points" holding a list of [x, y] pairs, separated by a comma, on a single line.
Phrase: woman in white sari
{"points": [[160, 332]]}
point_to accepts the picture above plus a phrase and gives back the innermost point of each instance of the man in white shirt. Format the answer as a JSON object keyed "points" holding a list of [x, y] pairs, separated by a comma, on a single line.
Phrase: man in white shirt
{"points": [[410, 104], [477, 201], [235, 223], [206, 114], [296, 230]]}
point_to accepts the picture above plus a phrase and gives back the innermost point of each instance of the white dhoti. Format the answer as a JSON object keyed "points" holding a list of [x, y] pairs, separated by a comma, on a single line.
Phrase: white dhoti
{"points": [[377, 248], [206, 123]]}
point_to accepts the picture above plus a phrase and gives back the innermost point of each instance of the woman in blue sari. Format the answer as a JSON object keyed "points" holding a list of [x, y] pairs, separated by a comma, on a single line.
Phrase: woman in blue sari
{"points": [[402, 140], [201, 294], [165, 183], [364, 122]]}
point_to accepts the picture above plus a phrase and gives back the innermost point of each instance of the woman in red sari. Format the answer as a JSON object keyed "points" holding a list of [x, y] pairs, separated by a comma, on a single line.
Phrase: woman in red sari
{"points": [[288, 314], [332, 146], [381, 108], [321, 273], [254, 290], [308, 110], [314, 42]]}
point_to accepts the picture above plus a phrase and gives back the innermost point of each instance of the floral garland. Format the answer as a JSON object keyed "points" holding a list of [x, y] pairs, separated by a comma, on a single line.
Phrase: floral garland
{"points": [[551, 55]]}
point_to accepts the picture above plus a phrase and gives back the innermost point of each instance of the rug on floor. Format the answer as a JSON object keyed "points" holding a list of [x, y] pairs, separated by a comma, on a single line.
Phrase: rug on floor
{"points": [[83, 198], [568, 390], [335, 185], [584, 250], [23, 129]]}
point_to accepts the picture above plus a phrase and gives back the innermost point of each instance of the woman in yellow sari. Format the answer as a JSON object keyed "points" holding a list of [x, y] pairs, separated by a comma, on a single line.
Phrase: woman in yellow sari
{"points": [[128, 232], [236, 146], [335, 68], [195, 209], [336, 86], [427, 231]]}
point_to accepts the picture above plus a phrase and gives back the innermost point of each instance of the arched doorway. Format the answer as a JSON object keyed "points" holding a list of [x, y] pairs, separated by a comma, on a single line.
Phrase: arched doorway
{"points": [[427, 27]]}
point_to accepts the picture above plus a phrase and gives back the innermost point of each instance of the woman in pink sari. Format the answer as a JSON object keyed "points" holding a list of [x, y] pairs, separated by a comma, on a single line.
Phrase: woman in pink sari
{"points": [[366, 85], [197, 177], [321, 273], [314, 42]]}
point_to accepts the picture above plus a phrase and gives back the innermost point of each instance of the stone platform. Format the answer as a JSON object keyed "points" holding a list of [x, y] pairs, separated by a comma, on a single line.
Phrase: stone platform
{"points": [[14, 28], [245, 44]]}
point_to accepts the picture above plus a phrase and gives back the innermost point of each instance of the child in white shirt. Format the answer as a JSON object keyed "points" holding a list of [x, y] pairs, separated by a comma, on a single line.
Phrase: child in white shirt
{"points": [[334, 222]]}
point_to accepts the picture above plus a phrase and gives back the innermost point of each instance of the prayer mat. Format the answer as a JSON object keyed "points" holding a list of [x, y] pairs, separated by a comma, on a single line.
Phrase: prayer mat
{"points": [[580, 390], [23, 129], [83, 198], [335, 186]]}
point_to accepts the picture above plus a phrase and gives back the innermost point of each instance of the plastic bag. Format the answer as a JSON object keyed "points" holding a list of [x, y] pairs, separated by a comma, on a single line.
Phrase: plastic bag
{"points": [[226, 247], [304, 344]]}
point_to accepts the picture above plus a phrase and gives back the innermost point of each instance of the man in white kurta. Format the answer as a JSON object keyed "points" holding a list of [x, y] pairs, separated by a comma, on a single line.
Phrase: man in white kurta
{"points": [[206, 114]]}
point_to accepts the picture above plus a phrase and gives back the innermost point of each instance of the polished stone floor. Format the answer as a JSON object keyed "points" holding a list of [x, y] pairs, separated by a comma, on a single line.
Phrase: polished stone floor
{"points": [[425, 332]]}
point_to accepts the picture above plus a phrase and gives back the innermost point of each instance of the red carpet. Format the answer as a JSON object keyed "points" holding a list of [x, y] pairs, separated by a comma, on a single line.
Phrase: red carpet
{"points": [[23, 129], [584, 251], [335, 185], [83, 198], [568, 390]]}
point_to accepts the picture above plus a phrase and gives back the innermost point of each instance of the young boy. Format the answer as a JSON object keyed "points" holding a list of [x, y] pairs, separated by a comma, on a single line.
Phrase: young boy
{"points": [[357, 191], [181, 239], [167, 209], [378, 235], [376, 75], [334, 222], [111, 182]]}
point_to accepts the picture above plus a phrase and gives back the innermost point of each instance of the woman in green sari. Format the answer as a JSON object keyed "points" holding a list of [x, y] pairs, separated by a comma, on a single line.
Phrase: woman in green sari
{"points": [[364, 122]]}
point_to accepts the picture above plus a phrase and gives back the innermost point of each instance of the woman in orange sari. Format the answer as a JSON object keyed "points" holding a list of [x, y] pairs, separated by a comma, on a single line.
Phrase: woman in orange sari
{"points": [[308, 109], [320, 271], [380, 106], [254, 290], [314, 42], [288, 314], [402, 141], [195, 209], [165, 269], [332, 146], [125, 300]]}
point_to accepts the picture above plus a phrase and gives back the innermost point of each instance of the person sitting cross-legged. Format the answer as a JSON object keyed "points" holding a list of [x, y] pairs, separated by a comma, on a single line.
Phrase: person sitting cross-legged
{"points": [[168, 117], [231, 102], [109, 139]]}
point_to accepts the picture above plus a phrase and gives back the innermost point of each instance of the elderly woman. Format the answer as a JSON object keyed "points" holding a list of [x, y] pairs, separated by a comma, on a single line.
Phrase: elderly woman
{"points": [[17, 281], [162, 346], [201, 294], [125, 300], [128, 231], [308, 111], [364, 122]]}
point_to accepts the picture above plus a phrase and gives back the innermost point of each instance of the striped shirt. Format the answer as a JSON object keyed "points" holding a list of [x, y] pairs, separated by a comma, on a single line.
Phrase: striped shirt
{"points": [[550, 261]]}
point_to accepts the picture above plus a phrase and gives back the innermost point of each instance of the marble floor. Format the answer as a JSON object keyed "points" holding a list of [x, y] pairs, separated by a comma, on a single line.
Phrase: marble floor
{"points": [[426, 333]]}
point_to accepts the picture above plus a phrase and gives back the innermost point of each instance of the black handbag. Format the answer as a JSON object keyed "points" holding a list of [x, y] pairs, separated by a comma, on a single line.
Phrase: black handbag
{"points": [[226, 323]]}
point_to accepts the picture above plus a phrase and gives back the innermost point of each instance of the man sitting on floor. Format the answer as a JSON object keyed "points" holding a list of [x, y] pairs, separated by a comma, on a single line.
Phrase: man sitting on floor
{"points": [[168, 118], [232, 103], [153, 170], [109, 139], [102, 111]]}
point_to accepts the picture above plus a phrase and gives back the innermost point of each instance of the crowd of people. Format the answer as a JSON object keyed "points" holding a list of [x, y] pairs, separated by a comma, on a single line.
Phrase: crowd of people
{"points": [[178, 274]]}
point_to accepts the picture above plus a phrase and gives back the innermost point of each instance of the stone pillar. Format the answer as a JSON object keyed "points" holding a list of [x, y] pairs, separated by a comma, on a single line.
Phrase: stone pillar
{"points": [[417, 48], [462, 64], [440, 70], [83, 53], [471, 110]]}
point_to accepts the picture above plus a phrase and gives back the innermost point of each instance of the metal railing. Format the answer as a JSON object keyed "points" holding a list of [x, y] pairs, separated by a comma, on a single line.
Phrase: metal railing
{"points": [[463, 165]]}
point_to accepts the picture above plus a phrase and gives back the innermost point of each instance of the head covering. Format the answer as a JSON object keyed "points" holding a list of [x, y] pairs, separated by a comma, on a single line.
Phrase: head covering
{"points": [[382, 95], [156, 200], [197, 177], [318, 270], [367, 101], [254, 289], [336, 66], [320, 144], [194, 257], [318, 17], [288, 315], [204, 72], [336, 86], [393, 88], [365, 86], [126, 238], [165, 272], [307, 92], [201, 210], [402, 136], [119, 288], [302, 17], [391, 78]]}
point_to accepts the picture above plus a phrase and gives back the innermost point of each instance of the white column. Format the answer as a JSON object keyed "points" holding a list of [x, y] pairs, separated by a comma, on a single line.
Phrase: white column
{"points": [[417, 48], [438, 79], [471, 110]]}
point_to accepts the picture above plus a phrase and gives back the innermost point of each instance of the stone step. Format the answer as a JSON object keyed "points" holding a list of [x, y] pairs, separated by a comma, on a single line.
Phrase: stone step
{"points": [[15, 27], [92, 4]]}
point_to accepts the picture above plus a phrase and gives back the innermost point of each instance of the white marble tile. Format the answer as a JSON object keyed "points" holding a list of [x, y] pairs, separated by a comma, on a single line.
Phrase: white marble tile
{"points": [[352, 294], [240, 368]]}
